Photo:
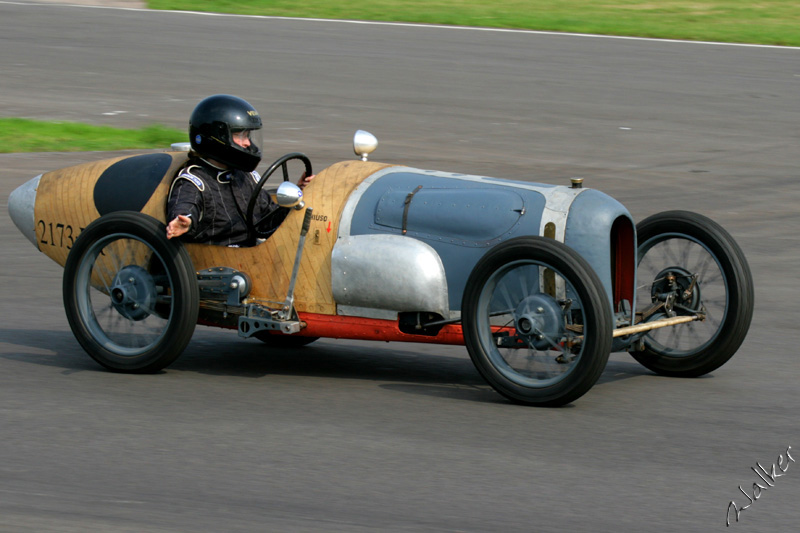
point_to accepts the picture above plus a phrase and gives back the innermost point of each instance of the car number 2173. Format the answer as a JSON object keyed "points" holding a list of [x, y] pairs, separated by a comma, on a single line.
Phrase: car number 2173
{"points": [[56, 234]]}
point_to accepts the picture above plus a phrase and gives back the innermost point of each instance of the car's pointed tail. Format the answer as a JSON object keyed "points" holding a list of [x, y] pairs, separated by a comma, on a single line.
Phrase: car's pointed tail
{"points": [[21, 204]]}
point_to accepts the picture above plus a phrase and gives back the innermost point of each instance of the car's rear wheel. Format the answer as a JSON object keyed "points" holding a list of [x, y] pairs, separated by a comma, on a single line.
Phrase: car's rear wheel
{"points": [[130, 294], [688, 263], [537, 322]]}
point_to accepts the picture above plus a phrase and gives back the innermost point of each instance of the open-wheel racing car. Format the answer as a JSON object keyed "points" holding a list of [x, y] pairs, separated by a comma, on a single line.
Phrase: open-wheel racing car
{"points": [[540, 282]]}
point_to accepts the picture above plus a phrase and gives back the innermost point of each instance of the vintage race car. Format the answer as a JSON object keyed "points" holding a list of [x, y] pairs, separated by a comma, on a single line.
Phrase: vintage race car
{"points": [[540, 282]]}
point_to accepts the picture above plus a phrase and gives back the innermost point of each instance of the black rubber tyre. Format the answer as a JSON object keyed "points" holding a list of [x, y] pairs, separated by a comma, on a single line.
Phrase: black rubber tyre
{"points": [[281, 340], [690, 244], [130, 294], [537, 321]]}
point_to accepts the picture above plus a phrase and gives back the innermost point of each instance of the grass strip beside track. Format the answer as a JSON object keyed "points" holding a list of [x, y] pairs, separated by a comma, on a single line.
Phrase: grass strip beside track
{"points": [[24, 135], [772, 22]]}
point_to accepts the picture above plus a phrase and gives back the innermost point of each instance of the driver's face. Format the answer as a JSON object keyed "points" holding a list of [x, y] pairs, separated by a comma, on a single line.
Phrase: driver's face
{"points": [[242, 138]]}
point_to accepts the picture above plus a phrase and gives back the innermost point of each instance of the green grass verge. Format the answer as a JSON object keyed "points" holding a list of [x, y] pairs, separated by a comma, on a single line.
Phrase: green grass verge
{"points": [[773, 22], [24, 135]]}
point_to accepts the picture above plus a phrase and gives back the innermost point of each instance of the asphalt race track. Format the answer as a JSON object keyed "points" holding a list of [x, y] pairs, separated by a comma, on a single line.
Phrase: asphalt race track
{"points": [[351, 437]]}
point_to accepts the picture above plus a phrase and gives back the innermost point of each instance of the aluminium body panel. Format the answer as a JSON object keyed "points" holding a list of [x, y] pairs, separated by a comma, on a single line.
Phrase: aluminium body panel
{"points": [[390, 272], [589, 231], [462, 217]]}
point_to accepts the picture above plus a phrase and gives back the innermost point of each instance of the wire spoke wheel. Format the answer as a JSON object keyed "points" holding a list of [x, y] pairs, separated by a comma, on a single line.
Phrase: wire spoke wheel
{"points": [[130, 294], [688, 264], [536, 320], [118, 301]]}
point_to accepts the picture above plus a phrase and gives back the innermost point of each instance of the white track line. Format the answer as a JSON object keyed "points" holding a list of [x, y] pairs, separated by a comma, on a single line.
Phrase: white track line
{"points": [[407, 25]]}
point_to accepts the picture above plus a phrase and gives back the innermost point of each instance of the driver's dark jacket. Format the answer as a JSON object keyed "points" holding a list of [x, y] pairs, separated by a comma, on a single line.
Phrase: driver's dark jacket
{"points": [[216, 201]]}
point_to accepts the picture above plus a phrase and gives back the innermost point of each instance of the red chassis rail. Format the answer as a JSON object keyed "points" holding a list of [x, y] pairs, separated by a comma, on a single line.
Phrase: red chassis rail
{"points": [[352, 327]]}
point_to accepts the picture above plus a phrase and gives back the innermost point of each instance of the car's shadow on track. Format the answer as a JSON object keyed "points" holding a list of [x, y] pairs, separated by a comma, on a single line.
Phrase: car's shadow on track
{"points": [[618, 370], [372, 361], [439, 371], [46, 348]]}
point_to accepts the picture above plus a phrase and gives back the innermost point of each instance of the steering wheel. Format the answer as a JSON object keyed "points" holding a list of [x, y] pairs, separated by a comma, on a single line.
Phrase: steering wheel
{"points": [[279, 163]]}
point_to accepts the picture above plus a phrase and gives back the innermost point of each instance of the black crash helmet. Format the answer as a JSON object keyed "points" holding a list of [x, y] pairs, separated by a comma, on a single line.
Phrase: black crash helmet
{"points": [[227, 129]]}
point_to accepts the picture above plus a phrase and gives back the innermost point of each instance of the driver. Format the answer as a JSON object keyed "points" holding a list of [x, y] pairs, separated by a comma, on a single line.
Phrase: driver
{"points": [[208, 200]]}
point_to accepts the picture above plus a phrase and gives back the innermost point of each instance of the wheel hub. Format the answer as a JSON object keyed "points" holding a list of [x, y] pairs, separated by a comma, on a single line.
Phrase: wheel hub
{"points": [[133, 293], [676, 286], [539, 321]]}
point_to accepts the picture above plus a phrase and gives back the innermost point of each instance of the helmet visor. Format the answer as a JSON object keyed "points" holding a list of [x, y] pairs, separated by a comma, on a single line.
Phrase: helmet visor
{"points": [[247, 140]]}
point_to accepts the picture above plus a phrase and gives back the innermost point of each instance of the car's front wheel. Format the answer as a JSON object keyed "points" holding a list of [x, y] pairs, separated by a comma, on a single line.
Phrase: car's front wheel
{"points": [[537, 322], [130, 294], [688, 264]]}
